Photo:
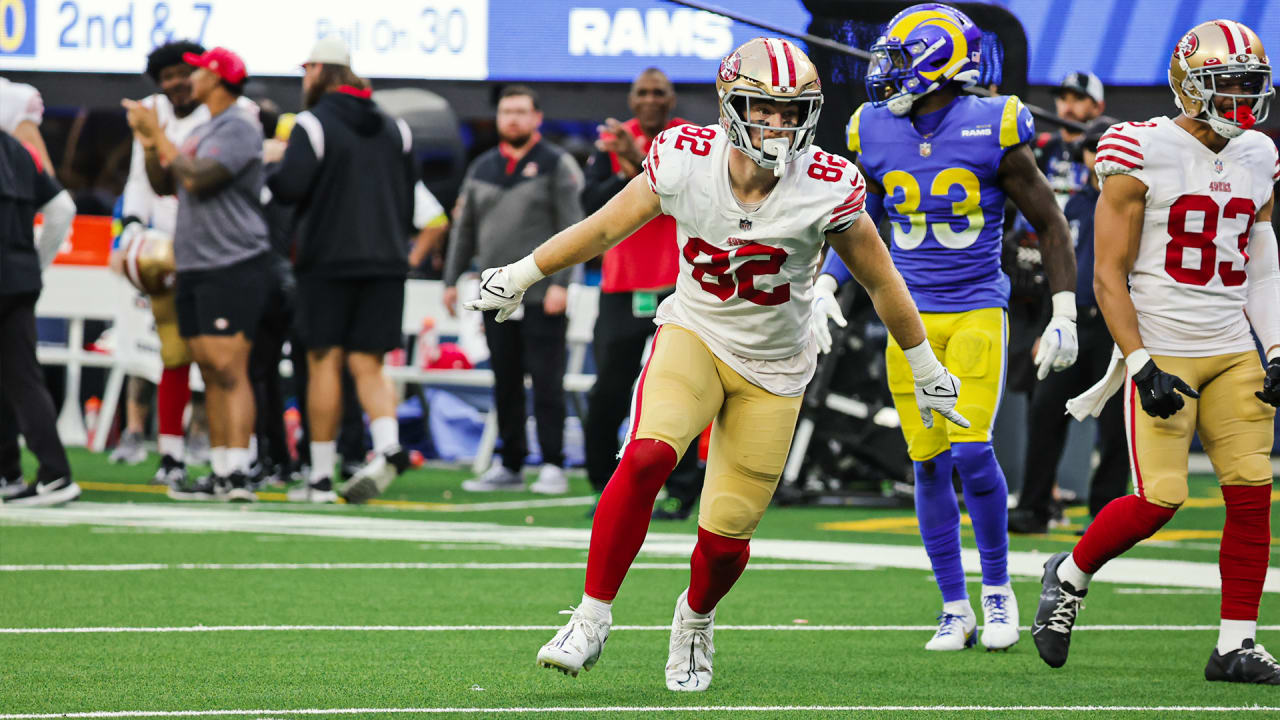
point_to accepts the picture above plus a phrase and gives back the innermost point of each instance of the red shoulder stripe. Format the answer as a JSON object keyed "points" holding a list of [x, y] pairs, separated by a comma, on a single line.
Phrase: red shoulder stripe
{"points": [[1112, 135], [1119, 161], [1120, 148]]}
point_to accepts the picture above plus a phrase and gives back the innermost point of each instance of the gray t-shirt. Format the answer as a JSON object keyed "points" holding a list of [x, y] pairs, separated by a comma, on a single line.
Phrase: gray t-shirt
{"points": [[226, 226]]}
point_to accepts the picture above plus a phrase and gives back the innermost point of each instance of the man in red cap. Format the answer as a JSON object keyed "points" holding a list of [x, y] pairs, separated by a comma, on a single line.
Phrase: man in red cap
{"points": [[220, 248]]}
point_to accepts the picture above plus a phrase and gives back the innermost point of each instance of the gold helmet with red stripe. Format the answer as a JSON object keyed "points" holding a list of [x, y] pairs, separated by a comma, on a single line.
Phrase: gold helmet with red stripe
{"points": [[773, 70], [148, 261], [1222, 54]]}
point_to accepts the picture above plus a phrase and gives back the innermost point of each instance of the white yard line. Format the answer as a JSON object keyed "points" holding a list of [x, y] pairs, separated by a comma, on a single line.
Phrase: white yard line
{"points": [[135, 567], [796, 627], [653, 709], [214, 518]]}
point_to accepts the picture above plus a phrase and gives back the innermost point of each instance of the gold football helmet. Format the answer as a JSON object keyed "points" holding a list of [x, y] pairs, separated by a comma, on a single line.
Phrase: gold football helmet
{"points": [[1215, 54], [148, 261], [775, 70]]}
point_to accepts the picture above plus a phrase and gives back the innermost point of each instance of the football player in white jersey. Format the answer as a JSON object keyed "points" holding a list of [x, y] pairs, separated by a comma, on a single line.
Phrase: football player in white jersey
{"points": [[1186, 264], [753, 201]]}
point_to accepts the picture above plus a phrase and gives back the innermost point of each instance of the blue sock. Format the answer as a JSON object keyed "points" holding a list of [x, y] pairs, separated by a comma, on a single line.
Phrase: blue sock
{"points": [[986, 497], [939, 516]]}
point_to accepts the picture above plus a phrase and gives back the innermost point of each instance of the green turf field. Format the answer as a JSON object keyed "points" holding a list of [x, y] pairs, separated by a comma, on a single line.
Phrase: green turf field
{"points": [[434, 602]]}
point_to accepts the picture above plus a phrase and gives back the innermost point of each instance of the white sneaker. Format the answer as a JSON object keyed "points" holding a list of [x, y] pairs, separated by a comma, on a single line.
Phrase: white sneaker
{"points": [[578, 644], [497, 477], [44, 494], [690, 649], [375, 476], [999, 617], [318, 491], [129, 452], [955, 632], [551, 481]]}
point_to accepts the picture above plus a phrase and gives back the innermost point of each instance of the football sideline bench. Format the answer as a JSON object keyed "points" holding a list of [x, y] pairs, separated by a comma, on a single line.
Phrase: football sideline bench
{"points": [[78, 294]]}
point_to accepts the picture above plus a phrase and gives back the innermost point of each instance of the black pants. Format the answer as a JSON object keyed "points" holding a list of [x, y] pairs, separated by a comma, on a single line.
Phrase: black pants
{"points": [[10, 451], [618, 347], [534, 345], [1047, 425], [23, 386], [264, 366]]}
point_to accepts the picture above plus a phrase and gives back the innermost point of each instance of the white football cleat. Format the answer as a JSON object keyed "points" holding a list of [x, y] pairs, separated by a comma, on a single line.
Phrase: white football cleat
{"points": [[999, 617], [955, 632], [690, 649], [551, 481], [578, 644]]}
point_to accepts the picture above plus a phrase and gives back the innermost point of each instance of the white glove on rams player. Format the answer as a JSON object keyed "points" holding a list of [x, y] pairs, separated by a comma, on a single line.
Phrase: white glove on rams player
{"points": [[502, 289], [1058, 345], [937, 390], [825, 307]]}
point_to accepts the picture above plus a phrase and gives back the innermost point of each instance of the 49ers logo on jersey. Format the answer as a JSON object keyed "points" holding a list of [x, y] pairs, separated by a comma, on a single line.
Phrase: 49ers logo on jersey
{"points": [[730, 66], [1188, 44]]}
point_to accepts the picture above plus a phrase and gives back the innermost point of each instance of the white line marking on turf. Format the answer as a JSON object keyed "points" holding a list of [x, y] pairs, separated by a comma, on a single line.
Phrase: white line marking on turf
{"points": [[133, 567], [508, 628], [652, 709], [1164, 591], [212, 518]]}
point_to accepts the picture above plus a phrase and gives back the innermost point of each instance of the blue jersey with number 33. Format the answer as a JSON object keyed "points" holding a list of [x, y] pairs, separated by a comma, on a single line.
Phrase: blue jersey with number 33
{"points": [[942, 198]]}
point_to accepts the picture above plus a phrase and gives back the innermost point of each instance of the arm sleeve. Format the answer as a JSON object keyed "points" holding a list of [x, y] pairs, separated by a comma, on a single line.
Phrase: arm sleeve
{"points": [[301, 160], [58, 214], [233, 146], [601, 182], [462, 237], [1120, 153], [1263, 304], [567, 194], [138, 199]]}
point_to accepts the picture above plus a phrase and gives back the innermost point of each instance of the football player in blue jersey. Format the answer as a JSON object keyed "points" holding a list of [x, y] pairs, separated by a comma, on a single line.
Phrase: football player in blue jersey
{"points": [[939, 163]]}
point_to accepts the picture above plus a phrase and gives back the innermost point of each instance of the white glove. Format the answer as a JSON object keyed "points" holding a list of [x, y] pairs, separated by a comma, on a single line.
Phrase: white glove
{"points": [[1058, 345], [502, 289], [937, 390], [824, 308]]}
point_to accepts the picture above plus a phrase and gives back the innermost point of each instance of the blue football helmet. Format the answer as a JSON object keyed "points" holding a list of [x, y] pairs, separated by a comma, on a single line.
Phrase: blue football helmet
{"points": [[923, 48]]}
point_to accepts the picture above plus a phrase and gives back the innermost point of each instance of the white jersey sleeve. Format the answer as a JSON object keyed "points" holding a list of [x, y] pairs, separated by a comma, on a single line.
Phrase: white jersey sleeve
{"points": [[1120, 152], [19, 103], [667, 164]]}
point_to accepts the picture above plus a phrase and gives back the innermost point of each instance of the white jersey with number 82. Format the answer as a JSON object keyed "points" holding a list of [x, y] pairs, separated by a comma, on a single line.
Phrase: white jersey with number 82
{"points": [[746, 278]]}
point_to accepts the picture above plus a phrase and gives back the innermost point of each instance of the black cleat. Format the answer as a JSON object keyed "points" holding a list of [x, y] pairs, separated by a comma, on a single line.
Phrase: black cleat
{"points": [[1249, 664], [193, 489], [239, 488], [1027, 522], [1056, 614], [673, 509]]}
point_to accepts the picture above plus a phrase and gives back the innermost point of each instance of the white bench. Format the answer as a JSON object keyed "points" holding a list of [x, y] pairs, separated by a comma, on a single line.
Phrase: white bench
{"points": [[77, 294]]}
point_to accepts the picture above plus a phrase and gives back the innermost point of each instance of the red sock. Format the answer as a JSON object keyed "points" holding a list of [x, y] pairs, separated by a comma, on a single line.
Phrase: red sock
{"points": [[1245, 549], [172, 395], [717, 563], [1122, 524], [622, 517]]}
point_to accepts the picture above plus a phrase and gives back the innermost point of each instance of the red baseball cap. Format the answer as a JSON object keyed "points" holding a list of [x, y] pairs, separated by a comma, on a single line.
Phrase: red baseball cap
{"points": [[221, 61]]}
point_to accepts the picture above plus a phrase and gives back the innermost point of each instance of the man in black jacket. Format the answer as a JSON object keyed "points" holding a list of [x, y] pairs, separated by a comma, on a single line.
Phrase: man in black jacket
{"points": [[24, 187], [349, 168]]}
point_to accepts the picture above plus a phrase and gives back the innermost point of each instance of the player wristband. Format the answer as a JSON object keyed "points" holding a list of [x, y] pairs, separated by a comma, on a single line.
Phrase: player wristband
{"points": [[1064, 304], [525, 272], [1136, 360], [924, 364]]}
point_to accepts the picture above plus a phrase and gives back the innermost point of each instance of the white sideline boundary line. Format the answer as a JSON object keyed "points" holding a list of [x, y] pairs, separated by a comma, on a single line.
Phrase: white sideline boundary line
{"points": [[265, 521], [649, 709], [135, 567], [520, 628]]}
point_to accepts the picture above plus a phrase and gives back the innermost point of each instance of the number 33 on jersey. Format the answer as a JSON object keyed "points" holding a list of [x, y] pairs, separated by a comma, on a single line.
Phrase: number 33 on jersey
{"points": [[746, 278]]}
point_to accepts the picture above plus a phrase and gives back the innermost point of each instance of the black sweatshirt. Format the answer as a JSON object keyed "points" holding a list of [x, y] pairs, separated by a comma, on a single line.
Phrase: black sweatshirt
{"points": [[349, 168]]}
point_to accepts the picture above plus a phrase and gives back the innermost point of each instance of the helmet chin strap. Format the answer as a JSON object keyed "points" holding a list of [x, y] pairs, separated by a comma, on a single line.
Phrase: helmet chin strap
{"points": [[778, 148]]}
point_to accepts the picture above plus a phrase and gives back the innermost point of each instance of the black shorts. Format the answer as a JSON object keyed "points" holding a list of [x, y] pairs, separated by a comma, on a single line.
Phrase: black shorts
{"points": [[225, 300], [356, 314]]}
